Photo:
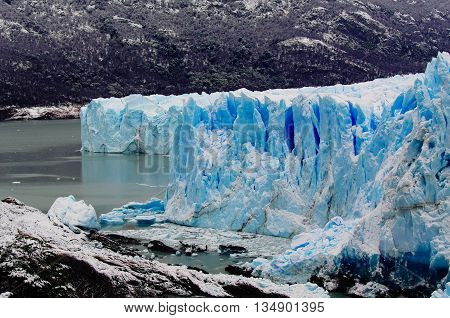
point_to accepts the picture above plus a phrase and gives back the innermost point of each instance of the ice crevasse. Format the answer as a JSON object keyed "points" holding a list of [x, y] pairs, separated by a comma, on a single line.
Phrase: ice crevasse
{"points": [[375, 155]]}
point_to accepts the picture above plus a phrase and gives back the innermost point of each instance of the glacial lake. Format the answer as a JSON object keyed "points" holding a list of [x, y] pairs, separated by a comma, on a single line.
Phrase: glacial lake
{"points": [[41, 160]]}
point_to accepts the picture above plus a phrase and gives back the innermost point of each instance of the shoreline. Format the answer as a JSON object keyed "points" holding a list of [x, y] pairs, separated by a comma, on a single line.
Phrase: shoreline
{"points": [[12, 113], [45, 259]]}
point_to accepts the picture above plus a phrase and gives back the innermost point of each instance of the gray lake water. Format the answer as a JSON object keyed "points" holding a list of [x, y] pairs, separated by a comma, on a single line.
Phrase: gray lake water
{"points": [[41, 160]]}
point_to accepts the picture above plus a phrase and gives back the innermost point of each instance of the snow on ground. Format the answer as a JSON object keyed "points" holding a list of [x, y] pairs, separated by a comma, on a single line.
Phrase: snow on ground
{"points": [[40, 258]]}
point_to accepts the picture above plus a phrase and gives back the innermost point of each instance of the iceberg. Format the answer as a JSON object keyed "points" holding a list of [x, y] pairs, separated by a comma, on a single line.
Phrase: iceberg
{"points": [[142, 213], [74, 214], [372, 158]]}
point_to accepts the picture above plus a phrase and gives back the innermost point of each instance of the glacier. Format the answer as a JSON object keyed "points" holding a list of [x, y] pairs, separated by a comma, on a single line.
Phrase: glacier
{"points": [[365, 165]]}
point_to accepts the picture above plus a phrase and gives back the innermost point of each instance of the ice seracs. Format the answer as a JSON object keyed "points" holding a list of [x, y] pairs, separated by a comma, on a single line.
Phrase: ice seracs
{"points": [[74, 214], [310, 252]]}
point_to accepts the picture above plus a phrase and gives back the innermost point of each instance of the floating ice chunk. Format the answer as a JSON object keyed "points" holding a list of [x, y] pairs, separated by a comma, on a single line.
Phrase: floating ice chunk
{"points": [[72, 213], [154, 205], [142, 213]]}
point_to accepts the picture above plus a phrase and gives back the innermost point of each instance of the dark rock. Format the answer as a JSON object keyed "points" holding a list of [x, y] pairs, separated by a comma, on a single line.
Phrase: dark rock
{"points": [[231, 249], [14, 201], [159, 246], [189, 249], [119, 239], [248, 291], [115, 242], [239, 270]]}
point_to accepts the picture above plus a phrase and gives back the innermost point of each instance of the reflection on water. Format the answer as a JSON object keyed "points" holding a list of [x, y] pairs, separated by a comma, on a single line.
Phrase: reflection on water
{"points": [[40, 160], [117, 168]]}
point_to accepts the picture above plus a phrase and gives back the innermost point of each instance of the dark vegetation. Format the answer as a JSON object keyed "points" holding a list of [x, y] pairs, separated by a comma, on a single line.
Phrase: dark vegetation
{"points": [[70, 51]]}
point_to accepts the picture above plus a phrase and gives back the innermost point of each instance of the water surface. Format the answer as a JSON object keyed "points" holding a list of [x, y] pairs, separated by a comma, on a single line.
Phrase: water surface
{"points": [[41, 160]]}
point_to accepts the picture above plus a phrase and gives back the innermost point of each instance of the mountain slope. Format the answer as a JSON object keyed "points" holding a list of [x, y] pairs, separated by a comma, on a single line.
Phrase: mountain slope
{"points": [[66, 51]]}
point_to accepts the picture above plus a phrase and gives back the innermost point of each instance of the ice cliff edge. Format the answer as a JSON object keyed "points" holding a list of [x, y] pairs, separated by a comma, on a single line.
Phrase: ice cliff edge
{"points": [[281, 161]]}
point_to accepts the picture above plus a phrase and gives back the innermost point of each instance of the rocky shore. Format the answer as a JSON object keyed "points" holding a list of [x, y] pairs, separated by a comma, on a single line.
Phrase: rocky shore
{"points": [[40, 113], [39, 258]]}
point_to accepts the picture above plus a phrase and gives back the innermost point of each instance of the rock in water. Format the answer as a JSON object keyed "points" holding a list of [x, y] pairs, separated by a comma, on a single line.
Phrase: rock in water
{"points": [[231, 249], [159, 246]]}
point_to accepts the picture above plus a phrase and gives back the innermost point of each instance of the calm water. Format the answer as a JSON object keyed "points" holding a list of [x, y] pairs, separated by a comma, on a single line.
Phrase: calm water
{"points": [[40, 161]]}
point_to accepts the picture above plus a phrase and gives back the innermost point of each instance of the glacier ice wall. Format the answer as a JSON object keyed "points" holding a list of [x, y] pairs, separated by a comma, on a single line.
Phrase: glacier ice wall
{"points": [[397, 224], [283, 162], [261, 162]]}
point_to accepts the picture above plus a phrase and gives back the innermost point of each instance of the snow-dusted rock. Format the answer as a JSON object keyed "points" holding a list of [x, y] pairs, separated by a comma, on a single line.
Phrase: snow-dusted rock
{"points": [[39, 259], [72, 213], [50, 112], [369, 290]]}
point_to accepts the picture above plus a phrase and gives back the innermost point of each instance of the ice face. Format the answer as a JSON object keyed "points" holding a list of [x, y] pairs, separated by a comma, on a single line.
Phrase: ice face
{"points": [[72, 213], [400, 208], [283, 162]]}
